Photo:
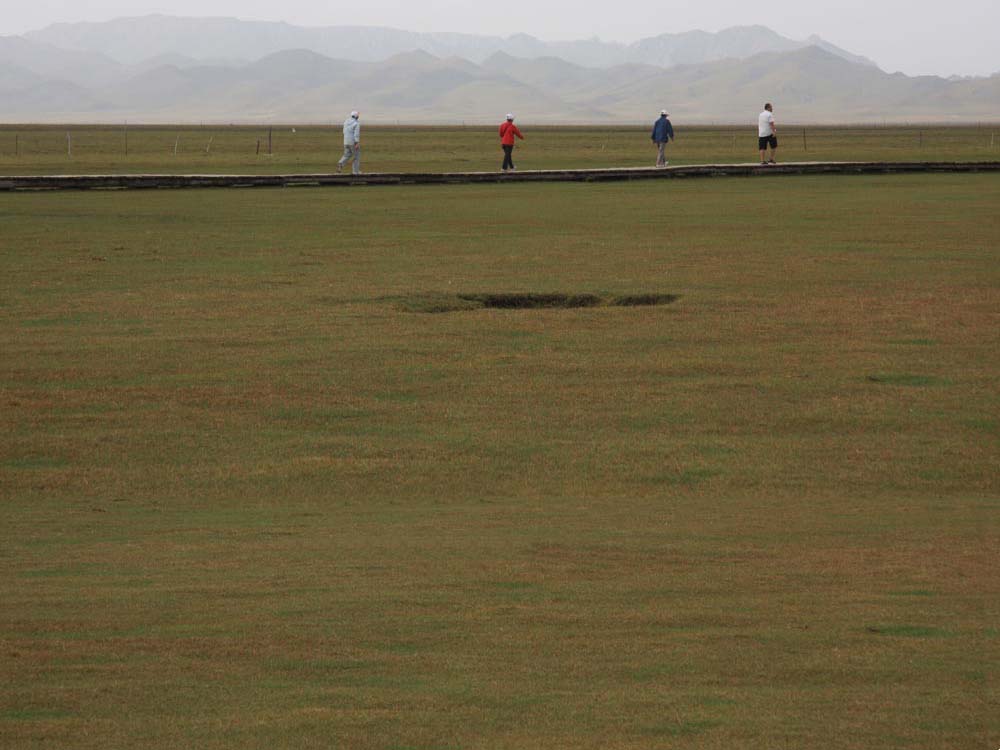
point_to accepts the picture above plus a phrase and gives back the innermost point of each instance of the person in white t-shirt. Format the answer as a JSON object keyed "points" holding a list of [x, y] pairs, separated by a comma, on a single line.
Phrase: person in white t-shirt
{"points": [[767, 133], [352, 144]]}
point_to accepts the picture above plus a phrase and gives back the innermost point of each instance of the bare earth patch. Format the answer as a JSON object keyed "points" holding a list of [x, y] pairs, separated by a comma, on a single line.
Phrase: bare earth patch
{"points": [[441, 303]]}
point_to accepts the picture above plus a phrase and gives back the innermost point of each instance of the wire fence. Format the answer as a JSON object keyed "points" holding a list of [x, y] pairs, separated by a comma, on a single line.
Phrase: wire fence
{"points": [[48, 146]]}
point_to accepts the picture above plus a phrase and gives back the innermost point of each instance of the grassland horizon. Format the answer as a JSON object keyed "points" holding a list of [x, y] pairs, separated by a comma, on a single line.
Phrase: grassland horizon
{"points": [[273, 149]]}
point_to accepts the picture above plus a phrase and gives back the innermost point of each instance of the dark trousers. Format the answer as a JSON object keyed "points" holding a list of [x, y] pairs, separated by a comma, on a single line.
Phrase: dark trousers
{"points": [[508, 162]]}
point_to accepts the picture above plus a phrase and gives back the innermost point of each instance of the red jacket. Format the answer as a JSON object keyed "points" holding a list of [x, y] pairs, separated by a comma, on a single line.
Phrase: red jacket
{"points": [[507, 132]]}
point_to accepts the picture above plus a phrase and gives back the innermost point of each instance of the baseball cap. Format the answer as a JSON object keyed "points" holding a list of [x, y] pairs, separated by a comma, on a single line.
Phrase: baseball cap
{"points": [[664, 112], [354, 113], [510, 116]]}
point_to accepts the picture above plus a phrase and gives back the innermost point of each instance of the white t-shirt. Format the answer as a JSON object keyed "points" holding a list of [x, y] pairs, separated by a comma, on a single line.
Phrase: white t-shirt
{"points": [[765, 124], [352, 131]]}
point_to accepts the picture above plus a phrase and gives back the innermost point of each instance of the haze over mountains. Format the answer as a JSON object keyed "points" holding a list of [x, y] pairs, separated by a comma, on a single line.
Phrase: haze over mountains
{"points": [[134, 40], [166, 69]]}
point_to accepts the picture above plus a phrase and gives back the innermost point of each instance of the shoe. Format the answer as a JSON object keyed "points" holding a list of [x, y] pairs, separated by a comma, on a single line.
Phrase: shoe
{"points": [[772, 162], [665, 163], [340, 168], [763, 163]]}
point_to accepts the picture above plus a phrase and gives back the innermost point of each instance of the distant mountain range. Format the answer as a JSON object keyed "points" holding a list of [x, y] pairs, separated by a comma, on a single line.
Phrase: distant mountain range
{"points": [[134, 40], [165, 69]]}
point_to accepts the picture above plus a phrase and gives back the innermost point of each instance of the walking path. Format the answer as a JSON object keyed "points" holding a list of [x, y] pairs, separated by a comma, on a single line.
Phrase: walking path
{"points": [[147, 181]]}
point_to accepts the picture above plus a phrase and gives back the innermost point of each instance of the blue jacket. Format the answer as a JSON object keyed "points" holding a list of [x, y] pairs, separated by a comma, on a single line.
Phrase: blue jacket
{"points": [[663, 131]]}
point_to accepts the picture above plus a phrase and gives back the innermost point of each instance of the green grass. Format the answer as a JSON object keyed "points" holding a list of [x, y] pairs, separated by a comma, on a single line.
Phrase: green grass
{"points": [[44, 149], [905, 379], [254, 495], [909, 631]]}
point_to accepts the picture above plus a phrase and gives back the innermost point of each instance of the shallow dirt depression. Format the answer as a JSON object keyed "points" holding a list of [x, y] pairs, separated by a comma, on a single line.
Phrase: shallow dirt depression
{"points": [[446, 303]]}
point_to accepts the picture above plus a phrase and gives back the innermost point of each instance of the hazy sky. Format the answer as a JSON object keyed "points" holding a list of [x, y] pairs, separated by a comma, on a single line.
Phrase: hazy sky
{"points": [[913, 36]]}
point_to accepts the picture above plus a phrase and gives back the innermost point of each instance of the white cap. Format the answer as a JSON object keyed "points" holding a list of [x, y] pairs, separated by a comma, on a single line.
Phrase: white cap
{"points": [[354, 114], [663, 112], [510, 116]]}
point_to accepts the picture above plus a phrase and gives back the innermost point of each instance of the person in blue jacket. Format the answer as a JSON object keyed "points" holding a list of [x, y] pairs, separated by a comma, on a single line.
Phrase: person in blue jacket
{"points": [[663, 132]]}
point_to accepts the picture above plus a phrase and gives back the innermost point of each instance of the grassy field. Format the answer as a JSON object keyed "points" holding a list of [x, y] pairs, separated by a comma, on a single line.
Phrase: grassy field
{"points": [[46, 149], [255, 494]]}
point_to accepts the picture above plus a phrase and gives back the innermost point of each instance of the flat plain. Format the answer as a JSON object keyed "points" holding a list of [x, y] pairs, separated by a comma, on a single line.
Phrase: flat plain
{"points": [[273, 476], [49, 149]]}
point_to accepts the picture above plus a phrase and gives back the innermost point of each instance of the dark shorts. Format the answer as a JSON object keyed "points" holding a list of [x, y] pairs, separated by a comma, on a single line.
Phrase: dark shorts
{"points": [[770, 140]]}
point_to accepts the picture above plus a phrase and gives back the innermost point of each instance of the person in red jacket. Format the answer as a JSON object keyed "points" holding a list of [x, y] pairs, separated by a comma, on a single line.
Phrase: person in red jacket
{"points": [[507, 132]]}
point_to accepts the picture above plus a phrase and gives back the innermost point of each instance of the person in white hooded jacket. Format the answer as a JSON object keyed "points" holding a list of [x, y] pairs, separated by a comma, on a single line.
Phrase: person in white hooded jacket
{"points": [[352, 144]]}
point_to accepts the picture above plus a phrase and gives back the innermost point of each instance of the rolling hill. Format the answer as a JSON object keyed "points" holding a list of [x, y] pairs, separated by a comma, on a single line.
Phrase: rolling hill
{"points": [[133, 40], [186, 77]]}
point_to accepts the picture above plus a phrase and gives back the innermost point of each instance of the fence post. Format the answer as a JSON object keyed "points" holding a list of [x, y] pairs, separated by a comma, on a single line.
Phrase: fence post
{"points": [[176, 144], [69, 145], [126, 139], [270, 132]]}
